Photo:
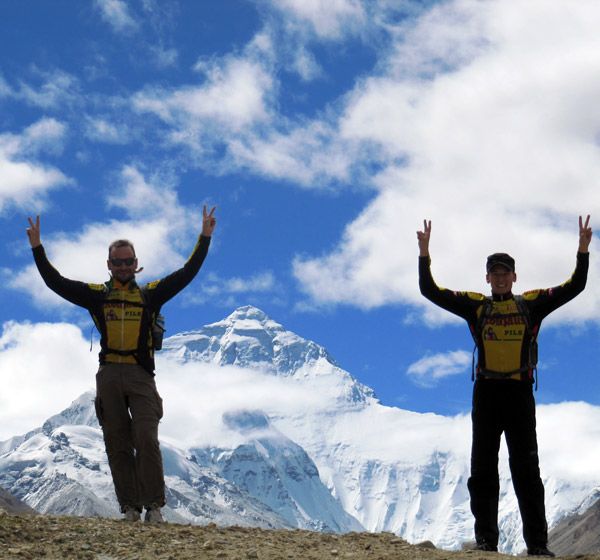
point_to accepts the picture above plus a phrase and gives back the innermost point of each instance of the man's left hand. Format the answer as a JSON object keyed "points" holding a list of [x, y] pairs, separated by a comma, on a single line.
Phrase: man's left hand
{"points": [[585, 234], [209, 222]]}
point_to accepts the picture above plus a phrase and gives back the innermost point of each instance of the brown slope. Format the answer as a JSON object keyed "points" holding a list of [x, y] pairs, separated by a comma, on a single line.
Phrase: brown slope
{"points": [[578, 534], [10, 504]]}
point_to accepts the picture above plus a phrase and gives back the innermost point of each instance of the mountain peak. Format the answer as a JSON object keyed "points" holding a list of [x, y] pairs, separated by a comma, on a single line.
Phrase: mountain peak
{"points": [[248, 312], [248, 337], [248, 318]]}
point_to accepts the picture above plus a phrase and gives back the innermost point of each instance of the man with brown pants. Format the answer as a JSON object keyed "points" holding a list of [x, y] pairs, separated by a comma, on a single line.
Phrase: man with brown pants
{"points": [[128, 405]]}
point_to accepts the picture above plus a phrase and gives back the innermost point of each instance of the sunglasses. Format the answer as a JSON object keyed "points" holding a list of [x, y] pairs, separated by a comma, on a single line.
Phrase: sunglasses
{"points": [[120, 262]]}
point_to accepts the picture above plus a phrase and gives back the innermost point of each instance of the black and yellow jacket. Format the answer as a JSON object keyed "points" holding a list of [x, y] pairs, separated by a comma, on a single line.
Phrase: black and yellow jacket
{"points": [[502, 335], [123, 314]]}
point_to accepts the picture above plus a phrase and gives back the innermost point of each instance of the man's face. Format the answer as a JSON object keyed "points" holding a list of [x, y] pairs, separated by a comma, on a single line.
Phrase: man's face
{"points": [[501, 279], [122, 264]]}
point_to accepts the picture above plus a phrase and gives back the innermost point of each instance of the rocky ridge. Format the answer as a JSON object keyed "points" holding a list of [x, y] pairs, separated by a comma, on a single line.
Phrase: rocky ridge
{"points": [[65, 538]]}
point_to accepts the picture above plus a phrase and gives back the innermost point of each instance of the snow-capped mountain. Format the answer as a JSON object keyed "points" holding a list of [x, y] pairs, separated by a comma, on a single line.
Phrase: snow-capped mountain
{"points": [[392, 469], [262, 427], [250, 339], [269, 482]]}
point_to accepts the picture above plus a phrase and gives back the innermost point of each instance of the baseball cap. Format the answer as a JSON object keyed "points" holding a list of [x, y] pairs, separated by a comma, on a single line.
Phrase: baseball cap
{"points": [[502, 259]]}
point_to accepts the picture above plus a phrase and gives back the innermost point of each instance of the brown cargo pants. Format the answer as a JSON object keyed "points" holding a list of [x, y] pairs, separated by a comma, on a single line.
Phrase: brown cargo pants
{"points": [[129, 408]]}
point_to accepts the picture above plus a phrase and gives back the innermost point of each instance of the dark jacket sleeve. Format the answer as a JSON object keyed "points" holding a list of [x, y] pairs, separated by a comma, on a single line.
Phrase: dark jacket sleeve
{"points": [[543, 302], [74, 291], [163, 290], [463, 304]]}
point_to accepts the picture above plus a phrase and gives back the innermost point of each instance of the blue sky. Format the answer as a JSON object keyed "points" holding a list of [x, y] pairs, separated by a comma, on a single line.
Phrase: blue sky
{"points": [[324, 131]]}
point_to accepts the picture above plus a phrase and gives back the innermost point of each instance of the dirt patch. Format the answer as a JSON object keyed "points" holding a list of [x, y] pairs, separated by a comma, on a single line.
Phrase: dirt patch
{"points": [[40, 536]]}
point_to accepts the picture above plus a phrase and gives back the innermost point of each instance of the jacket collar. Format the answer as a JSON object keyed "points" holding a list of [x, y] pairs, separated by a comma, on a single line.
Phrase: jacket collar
{"points": [[113, 284], [502, 297]]}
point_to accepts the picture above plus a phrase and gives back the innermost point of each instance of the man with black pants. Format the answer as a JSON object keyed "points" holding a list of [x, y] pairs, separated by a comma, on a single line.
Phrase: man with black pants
{"points": [[505, 329], [128, 405]]}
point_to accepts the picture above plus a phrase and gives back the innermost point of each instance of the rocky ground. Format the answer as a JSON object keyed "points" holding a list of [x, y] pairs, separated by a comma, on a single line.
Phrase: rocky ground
{"points": [[46, 537]]}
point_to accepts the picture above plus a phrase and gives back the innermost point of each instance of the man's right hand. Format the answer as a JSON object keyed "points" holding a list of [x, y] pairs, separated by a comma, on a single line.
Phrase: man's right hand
{"points": [[33, 232], [423, 237]]}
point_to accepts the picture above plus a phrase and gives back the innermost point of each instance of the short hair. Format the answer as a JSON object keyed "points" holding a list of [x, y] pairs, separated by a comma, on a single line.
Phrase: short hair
{"points": [[120, 243]]}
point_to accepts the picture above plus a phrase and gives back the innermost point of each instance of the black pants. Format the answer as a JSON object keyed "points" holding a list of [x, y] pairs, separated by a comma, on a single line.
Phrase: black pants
{"points": [[506, 406]]}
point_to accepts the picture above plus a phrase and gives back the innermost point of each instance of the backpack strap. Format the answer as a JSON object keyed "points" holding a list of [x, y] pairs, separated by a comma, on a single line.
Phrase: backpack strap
{"points": [[157, 322], [532, 331], [486, 310]]}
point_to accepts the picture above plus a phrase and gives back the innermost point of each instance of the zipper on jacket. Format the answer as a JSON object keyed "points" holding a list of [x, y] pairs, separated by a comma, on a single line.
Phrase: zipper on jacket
{"points": [[122, 330]]}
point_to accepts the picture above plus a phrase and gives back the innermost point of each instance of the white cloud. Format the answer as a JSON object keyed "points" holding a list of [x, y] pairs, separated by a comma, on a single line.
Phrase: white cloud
{"points": [[5, 89], [164, 57], [162, 231], [226, 389], [306, 65], [496, 142], [35, 383], [235, 291], [428, 370], [46, 135], [261, 282], [140, 197], [328, 19], [567, 430], [59, 89], [102, 130], [234, 113], [233, 97], [24, 181], [116, 14], [304, 155]]}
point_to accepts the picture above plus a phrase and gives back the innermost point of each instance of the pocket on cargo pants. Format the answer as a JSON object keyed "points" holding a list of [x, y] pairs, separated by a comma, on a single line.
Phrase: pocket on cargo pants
{"points": [[99, 411], [159, 404]]}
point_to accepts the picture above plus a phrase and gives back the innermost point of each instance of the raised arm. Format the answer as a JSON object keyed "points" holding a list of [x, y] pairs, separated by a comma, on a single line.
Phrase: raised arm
{"points": [[544, 301], [585, 234], [33, 232], [163, 290], [423, 237], [463, 304], [74, 291]]}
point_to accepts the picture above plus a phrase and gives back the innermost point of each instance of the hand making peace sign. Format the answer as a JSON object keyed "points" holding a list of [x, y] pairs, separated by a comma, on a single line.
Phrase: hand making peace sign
{"points": [[209, 222], [33, 232], [585, 234], [423, 237]]}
